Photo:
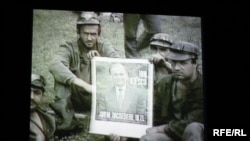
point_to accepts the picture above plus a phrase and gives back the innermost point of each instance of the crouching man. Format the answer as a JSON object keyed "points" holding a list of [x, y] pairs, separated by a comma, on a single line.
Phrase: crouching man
{"points": [[42, 124], [178, 111]]}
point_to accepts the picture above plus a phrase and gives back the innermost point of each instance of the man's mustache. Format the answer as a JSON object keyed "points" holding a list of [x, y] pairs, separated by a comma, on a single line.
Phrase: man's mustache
{"points": [[32, 102]]}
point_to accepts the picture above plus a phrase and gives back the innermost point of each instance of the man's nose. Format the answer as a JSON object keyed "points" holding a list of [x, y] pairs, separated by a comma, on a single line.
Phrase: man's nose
{"points": [[32, 95], [157, 51], [177, 66], [89, 37]]}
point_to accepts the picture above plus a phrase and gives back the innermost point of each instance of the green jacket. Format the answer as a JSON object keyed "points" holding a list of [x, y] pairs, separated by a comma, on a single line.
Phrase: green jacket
{"points": [[71, 61], [191, 106]]}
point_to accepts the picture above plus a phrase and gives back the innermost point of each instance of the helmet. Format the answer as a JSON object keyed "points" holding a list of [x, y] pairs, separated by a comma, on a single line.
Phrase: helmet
{"points": [[88, 18], [162, 39], [182, 50]]}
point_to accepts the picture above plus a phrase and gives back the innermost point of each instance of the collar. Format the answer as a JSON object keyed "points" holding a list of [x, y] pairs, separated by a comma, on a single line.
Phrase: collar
{"points": [[117, 89]]}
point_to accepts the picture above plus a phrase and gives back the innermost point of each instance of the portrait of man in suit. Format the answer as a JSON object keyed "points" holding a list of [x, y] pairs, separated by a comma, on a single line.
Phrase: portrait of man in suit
{"points": [[122, 99]]}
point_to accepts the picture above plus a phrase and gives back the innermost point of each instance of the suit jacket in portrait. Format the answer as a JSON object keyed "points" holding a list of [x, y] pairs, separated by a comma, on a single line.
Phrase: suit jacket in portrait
{"points": [[134, 101]]}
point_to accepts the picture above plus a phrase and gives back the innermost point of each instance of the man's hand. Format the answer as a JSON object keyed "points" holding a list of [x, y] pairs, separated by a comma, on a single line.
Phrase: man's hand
{"points": [[157, 59], [83, 85], [156, 129], [114, 137], [92, 54]]}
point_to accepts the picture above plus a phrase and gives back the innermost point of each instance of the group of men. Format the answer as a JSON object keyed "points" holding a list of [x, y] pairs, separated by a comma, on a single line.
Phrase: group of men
{"points": [[178, 96]]}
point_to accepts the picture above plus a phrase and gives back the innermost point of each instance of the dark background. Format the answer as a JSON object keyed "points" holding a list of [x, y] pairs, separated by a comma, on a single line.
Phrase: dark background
{"points": [[225, 58]]}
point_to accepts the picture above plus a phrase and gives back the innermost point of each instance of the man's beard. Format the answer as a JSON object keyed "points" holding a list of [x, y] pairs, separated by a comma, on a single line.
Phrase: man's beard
{"points": [[33, 105]]}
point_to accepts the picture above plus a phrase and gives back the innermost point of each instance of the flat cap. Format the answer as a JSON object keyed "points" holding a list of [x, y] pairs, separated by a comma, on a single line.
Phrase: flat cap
{"points": [[182, 50], [88, 18], [38, 81], [162, 39]]}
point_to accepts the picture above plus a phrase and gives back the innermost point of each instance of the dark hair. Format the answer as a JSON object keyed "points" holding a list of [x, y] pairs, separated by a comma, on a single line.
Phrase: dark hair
{"points": [[78, 27]]}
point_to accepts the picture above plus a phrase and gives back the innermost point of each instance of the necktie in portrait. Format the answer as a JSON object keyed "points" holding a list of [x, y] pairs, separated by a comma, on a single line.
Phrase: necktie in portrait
{"points": [[120, 98]]}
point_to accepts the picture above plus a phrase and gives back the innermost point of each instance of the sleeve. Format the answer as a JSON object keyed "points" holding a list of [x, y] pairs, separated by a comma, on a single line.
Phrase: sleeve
{"points": [[59, 66], [161, 101], [194, 114], [106, 50], [157, 104]]}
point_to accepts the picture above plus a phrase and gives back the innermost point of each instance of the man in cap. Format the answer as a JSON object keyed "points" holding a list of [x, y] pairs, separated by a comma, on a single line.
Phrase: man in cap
{"points": [[178, 111], [71, 70], [42, 124], [160, 48]]}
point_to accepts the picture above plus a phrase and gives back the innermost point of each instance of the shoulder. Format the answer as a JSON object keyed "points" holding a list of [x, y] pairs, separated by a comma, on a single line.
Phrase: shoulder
{"points": [[45, 112], [107, 50], [134, 89], [102, 44], [67, 44], [48, 117], [165, 80], [198, 82], [70, 45]]}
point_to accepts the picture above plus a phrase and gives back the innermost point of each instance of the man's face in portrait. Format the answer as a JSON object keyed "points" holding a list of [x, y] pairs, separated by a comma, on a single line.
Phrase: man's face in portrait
{"points": [[119, 75]]}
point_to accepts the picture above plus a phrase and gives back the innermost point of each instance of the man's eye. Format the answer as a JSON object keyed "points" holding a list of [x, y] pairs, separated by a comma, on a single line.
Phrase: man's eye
{"points": [[171, 61], [184, 62], [163, 49], [37, 92], [153, 48]]}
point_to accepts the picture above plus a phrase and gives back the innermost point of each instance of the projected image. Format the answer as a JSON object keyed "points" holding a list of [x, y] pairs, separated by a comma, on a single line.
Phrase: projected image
{"points": [[115, 75]]}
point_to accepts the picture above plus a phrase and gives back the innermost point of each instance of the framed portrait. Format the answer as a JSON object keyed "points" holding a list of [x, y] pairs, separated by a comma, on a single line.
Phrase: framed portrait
{"points": [[122, 96]]}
